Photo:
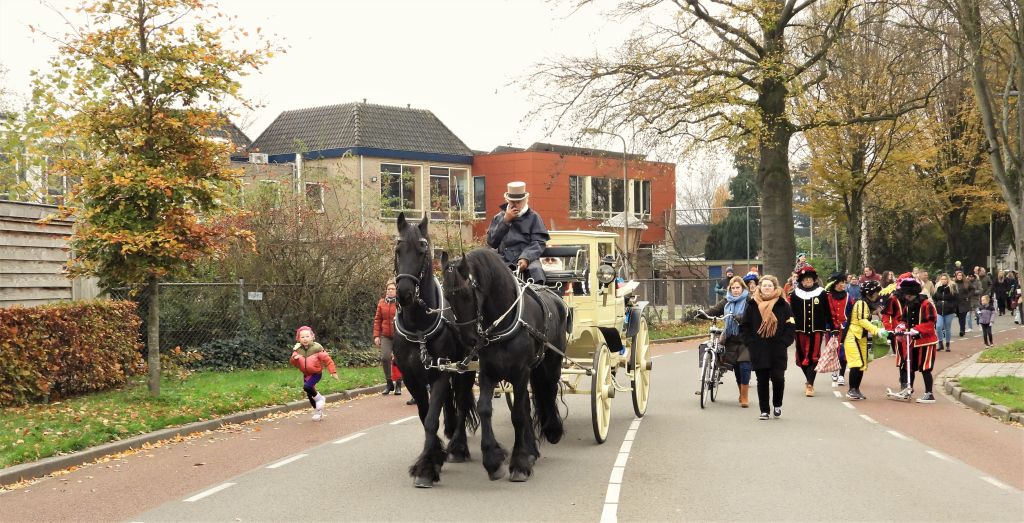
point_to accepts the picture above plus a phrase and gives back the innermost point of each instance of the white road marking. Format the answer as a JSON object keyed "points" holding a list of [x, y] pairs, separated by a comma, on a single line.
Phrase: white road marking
{"points": [[658, 356], [837, 394], [898, 435], [609, 514], [209, 492], [679, 352], [939, 455], [403, 420], [996, 482], [616, 475], [349, 438], [849, 405], [868, 419], [613, 494], [286, 461]]}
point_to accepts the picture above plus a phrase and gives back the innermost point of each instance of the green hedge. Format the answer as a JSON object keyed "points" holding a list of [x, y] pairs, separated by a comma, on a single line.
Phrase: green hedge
{"points": [[55, 351]]}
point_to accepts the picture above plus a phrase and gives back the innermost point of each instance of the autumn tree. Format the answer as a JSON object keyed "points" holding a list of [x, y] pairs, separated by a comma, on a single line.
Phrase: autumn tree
{"points": [[869, 72], [728, 238], [993, 31], [139, 83], [713, 70]]}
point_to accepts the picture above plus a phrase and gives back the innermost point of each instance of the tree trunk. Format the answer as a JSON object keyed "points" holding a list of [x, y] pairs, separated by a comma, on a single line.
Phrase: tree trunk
{"points": [[153, 335], [854, 219], [777, 237]]}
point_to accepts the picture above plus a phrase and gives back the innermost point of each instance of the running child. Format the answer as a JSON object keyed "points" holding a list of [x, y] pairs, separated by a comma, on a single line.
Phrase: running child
{"points": [[310, 357]]}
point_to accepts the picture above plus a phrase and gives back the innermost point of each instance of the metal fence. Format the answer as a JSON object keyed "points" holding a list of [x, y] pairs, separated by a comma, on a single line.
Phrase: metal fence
{"points": [[671, 299], [195, 314]]}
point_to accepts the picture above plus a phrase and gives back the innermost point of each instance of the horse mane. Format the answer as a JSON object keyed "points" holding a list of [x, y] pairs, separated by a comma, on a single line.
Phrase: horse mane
{"points": [[491, 271]]}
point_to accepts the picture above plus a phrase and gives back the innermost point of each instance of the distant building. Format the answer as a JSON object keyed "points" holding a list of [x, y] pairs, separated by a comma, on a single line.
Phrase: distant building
{"points": [[579, 188], [369, 162]]}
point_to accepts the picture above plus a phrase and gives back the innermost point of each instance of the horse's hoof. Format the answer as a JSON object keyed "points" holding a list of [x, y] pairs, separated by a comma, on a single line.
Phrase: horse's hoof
{"points": [[422, 482], [518, 476], [499, 473]]}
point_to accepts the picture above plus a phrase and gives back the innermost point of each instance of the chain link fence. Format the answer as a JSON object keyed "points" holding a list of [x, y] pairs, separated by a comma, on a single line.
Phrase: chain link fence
{"points": [[240, 324]]}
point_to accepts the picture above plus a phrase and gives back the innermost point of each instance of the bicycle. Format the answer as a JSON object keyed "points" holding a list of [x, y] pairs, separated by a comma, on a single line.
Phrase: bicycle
{"points": [[710, 354]]}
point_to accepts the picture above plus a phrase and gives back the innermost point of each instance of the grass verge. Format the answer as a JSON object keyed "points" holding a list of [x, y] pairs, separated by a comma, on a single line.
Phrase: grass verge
{"points": [[1004, 390], [1012, 352], [678, 329], [39, 431]]}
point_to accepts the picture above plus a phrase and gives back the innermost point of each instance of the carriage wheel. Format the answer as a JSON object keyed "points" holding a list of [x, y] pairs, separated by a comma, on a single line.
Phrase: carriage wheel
{"points": [[600, 393], [641, 364]]}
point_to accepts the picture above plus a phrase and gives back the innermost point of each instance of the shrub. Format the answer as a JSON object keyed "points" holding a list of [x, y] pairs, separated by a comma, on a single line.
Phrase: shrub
{"points": [[54, 351]]}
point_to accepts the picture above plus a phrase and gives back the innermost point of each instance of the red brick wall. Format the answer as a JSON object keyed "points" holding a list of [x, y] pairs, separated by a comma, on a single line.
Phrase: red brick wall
{"points": [[547, 179]]}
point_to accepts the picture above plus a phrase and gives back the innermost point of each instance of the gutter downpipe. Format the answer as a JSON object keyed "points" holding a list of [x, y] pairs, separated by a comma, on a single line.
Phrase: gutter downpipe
{"points": [[362, 211]]}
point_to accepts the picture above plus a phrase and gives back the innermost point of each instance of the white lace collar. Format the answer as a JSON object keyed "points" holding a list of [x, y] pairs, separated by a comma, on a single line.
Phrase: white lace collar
{"points": [[806, 295]]}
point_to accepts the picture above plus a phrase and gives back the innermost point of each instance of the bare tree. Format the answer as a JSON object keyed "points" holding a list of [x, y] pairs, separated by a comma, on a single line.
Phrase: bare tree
{"points": [[712, 70]]}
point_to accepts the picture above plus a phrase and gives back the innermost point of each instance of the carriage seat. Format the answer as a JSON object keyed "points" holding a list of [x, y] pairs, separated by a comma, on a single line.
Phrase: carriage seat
{"points": [[555, 272]]}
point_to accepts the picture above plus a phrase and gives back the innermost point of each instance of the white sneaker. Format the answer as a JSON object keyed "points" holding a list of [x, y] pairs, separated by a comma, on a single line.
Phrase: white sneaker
{"points": [[835, 376], [318, 415], [320, 400], [969, 330], [841, 381]]}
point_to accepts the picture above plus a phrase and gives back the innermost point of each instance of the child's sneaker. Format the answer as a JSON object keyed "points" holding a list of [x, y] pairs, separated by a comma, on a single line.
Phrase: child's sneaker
{"points": [[835, 376], [841, 381], [318, 415], [927, 398], [320, 400]]}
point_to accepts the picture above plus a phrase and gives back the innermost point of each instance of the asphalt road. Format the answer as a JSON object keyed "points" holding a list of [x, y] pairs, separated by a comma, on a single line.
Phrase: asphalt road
{"points": [[824, 459]]}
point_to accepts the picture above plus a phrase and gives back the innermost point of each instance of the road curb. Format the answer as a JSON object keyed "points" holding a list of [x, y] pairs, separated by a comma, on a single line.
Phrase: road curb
{"points": [[952, 388], [40, 468], [676, 340]]}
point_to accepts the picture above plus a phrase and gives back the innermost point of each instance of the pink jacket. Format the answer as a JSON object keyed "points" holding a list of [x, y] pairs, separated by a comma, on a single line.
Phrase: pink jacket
{"points": [[310, 360]]}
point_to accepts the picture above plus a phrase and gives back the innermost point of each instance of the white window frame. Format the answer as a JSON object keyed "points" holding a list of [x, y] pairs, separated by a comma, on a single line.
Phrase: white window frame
{"points": [[482, 204], [462, 173], [417, 200]]}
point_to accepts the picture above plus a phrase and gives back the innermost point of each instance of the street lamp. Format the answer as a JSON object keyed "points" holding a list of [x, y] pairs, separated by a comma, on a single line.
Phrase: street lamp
{"points": [[625, 197]]}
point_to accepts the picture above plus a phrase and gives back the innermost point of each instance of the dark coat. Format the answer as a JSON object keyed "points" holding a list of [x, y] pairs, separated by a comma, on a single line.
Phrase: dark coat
{"points": [[945, 300], [523, 238], [768, 353], [964, 292], [810, 310], [735, 350]]}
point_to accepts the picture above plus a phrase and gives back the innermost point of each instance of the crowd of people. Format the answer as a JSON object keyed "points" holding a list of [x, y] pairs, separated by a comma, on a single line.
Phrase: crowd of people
{"points": [[839, 315]]}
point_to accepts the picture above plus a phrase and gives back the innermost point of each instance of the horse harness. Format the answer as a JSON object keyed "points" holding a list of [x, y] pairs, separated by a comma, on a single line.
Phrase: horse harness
{"points": [[422, 337]]}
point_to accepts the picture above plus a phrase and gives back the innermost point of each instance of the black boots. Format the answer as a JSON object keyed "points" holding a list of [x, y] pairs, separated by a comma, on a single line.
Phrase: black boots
{"points": [[398, 388], [389, 388]]}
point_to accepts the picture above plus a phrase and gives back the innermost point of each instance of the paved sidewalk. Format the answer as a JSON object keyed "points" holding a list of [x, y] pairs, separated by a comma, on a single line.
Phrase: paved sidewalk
{"points": [[970, 368]]}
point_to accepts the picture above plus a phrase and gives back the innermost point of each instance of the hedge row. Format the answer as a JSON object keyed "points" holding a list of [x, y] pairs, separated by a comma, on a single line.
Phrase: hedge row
{"points": [[55, 351]]}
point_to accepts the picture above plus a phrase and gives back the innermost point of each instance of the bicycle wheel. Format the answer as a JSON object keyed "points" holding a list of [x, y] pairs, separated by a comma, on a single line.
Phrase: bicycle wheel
{"points": [[705, 377], [716, 376]]}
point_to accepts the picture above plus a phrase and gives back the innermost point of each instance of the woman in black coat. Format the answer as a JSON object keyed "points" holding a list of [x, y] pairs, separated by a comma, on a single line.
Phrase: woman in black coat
{"points": [[767, 329]]}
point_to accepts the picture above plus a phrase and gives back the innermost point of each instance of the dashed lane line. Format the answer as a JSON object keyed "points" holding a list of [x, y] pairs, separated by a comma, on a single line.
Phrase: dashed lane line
{"points": [[897, 435], [286, 461], [347, 439], [995, 482], [208, 492], [869, 419], [849, 405], [837, 394], [939, 455], [403, 420], [609, 513]]}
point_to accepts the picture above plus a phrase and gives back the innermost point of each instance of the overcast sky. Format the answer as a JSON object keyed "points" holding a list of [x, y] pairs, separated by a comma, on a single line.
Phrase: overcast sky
{"points": [[457, 58]]}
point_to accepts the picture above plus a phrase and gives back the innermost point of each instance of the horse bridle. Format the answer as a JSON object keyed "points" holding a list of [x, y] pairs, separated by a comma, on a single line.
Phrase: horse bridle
{"points": [[416, 279]]}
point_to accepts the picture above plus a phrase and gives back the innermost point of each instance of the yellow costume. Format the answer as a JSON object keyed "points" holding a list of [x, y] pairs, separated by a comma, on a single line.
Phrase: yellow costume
{"points": [[856, 342]]}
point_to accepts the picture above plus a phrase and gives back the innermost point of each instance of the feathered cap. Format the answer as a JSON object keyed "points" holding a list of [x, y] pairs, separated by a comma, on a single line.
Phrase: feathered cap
{"points": [[806, 271], [908, 284]]}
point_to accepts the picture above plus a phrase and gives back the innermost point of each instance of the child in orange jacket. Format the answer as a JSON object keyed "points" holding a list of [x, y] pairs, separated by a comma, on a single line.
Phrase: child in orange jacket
{"points": [[310, 357]]}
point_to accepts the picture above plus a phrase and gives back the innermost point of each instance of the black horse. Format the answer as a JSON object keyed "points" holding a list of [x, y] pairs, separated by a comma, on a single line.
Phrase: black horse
{"points": [[518, 333], [420, 330]]}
